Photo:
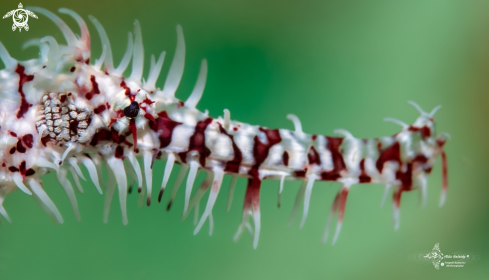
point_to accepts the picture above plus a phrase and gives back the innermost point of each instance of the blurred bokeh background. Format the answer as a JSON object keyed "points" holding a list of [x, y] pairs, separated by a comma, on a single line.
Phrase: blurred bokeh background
{"points": [[335, 64]]}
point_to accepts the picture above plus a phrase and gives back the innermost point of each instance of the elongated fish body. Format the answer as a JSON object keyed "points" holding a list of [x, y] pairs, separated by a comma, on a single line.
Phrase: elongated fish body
{"points": [[59, 111]]}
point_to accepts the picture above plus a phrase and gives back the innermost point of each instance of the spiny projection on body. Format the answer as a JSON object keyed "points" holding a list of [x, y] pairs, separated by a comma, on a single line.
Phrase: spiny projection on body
{"points": [[59, 111]]}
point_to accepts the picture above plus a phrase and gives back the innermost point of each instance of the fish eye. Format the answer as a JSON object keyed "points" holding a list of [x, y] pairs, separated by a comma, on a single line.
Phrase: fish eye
{"points": [[132, 110]]}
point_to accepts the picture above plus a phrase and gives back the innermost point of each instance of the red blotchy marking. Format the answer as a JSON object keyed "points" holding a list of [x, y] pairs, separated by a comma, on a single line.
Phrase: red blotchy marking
{"points": [[30, 172], [363, 178], [248, 195], [119, 151], [74, 126], [118, 114], [23, 78], [112, 121], [392, 153], [109, 135], [254, 184], [22, 168], [343, 196], [12, 151], [95, 89], [333, 146], [134, 132], [20, 147], [232, 165], [261, 150], [12, 133], [87, 61], [164, 126], [421, 159], [45, 140], [127, 91], [425, 130], [13, 169], [197, 142], [252, 195], [123, 85], [72, 69], [300, 173], [285, 158], [28, 140], [441, 142], [99, 109], [100, 136], [396, 198], [235, 128], [313, 156], [151, 119], [147, 101], [406, 178], [444, 170], [180, 104], [314, 137]]}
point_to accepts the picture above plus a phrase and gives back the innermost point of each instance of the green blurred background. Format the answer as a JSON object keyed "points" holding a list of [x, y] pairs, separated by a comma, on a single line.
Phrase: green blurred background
{"points": [[335, 64]]}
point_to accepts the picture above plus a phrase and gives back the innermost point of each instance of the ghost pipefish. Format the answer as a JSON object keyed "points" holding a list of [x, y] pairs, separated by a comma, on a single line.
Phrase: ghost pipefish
{"points": [[59, 111]]}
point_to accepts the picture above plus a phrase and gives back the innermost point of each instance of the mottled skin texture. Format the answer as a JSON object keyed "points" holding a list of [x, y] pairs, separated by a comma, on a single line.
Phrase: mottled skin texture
{"points": [[128, 118]]}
